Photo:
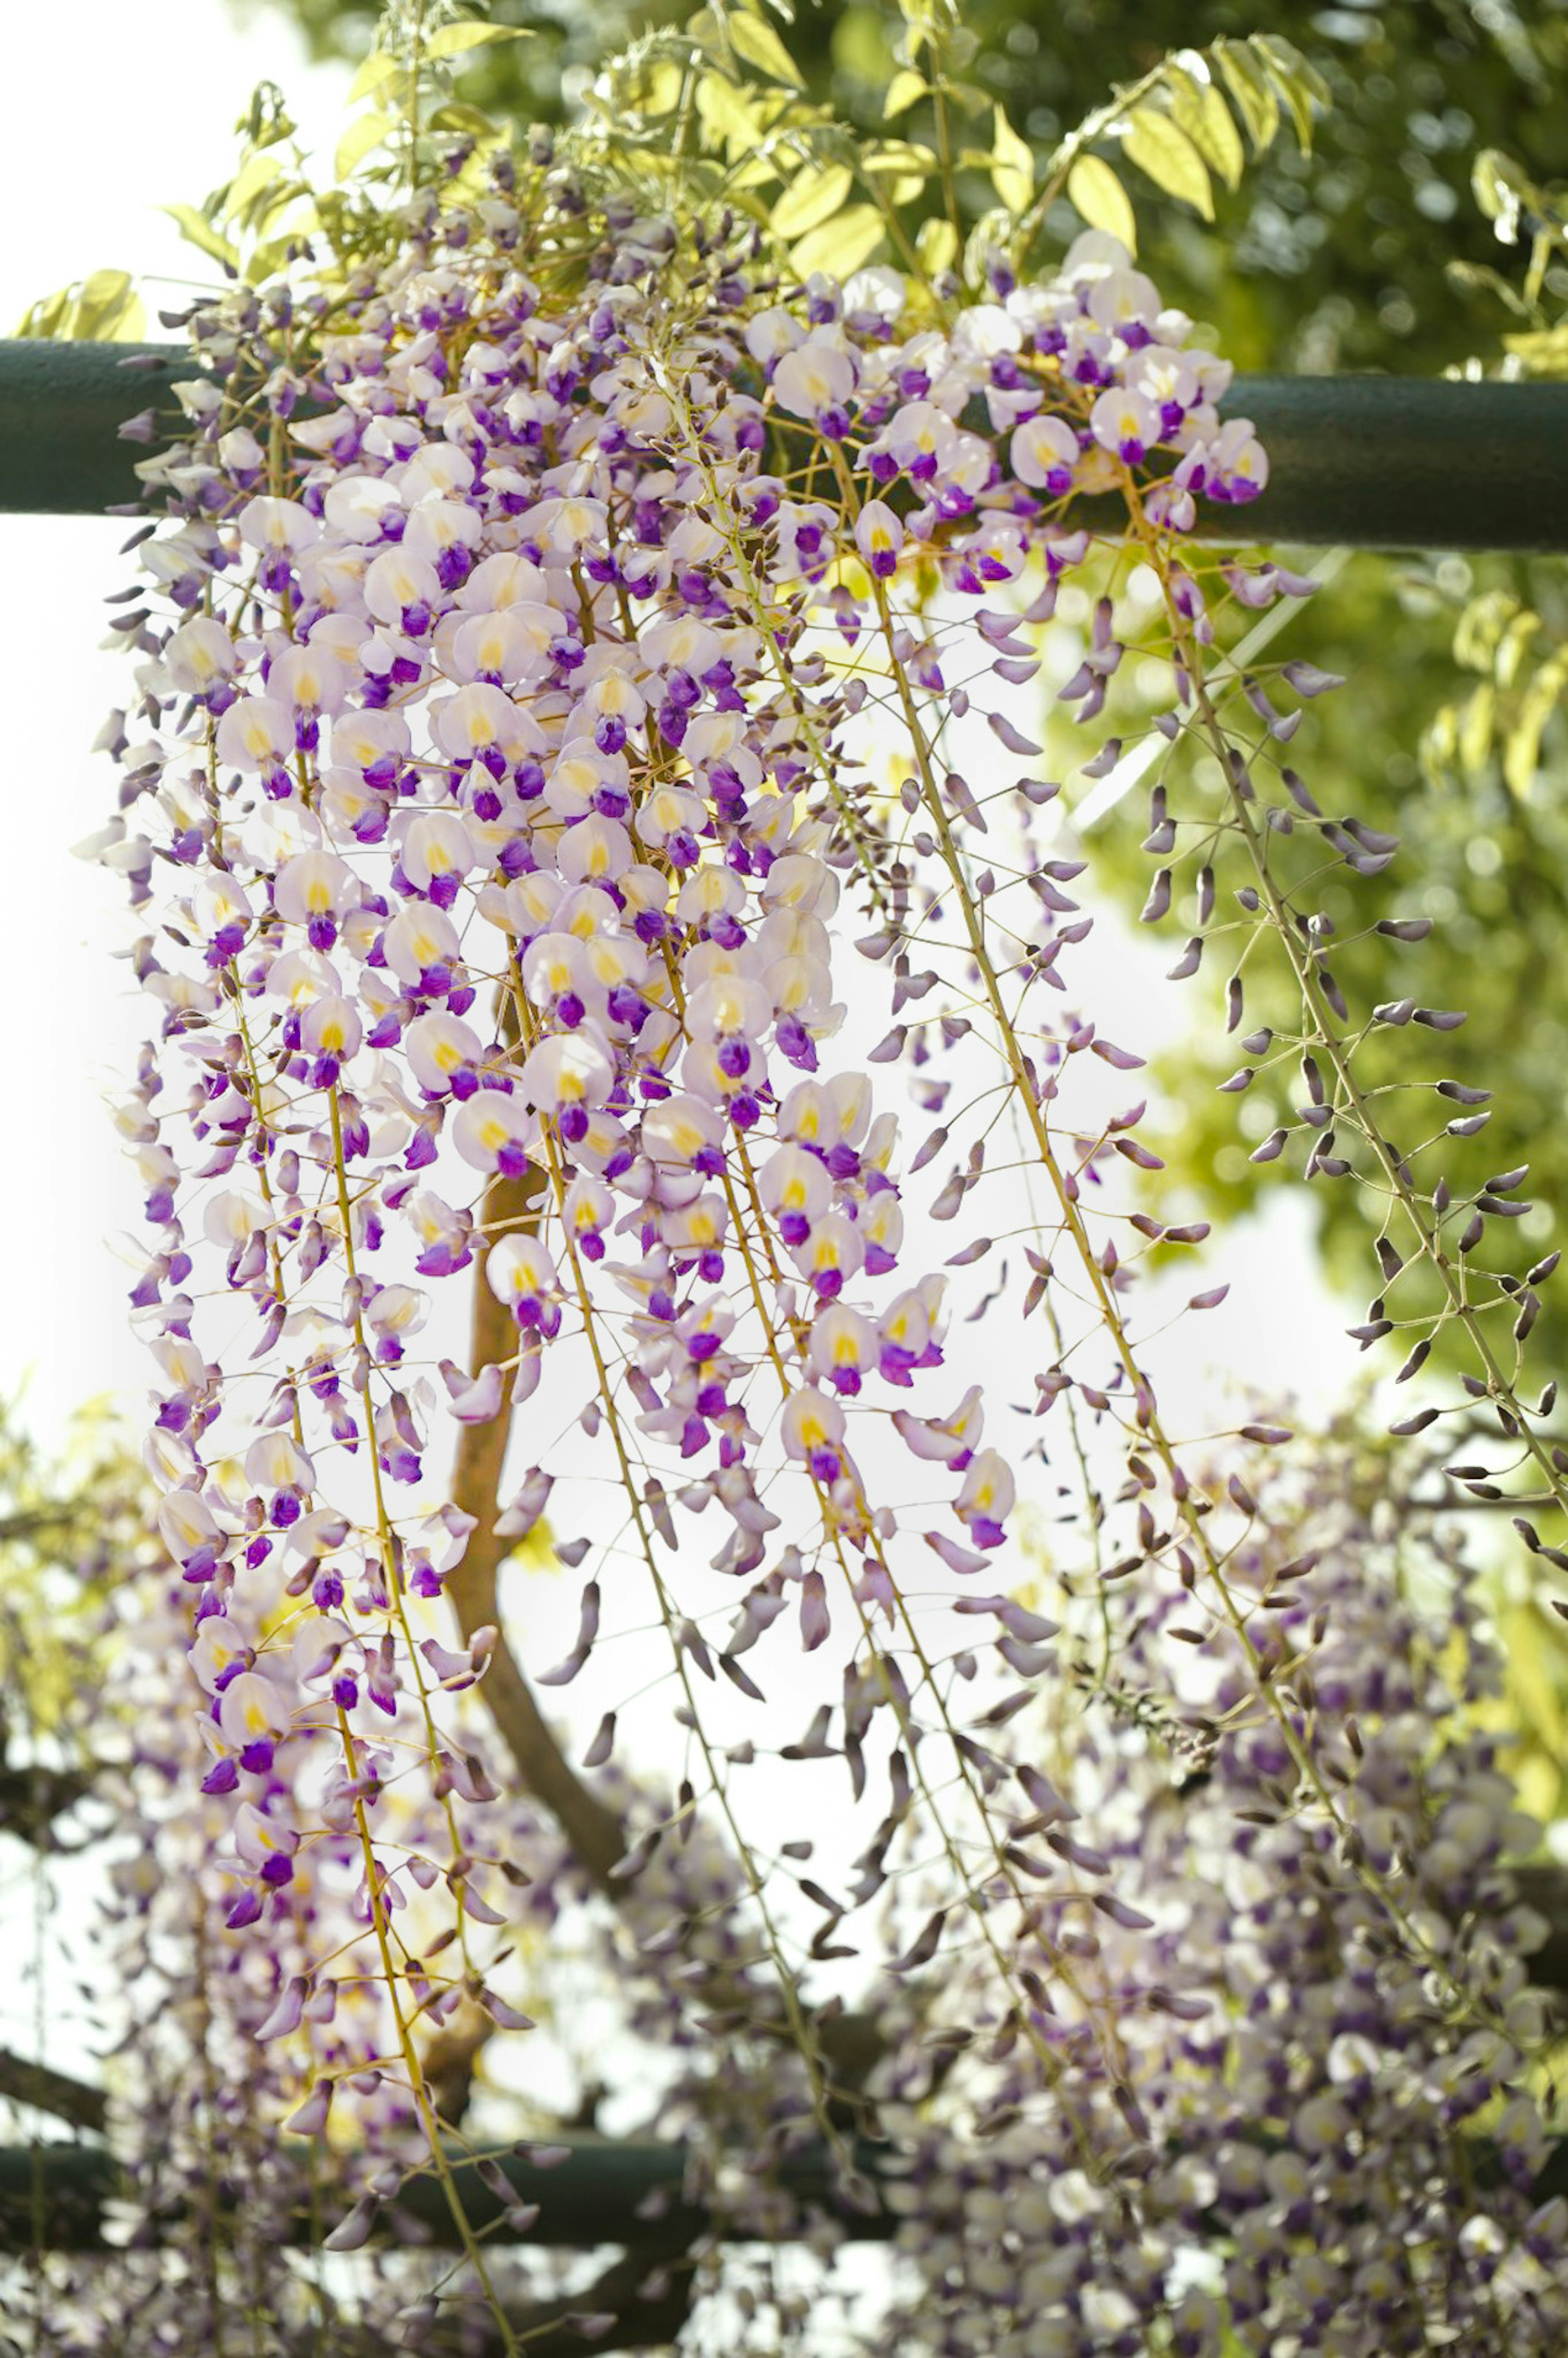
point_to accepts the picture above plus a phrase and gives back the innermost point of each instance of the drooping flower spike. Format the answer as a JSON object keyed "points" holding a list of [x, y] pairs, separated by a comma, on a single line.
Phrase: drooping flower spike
{"points": [[599, 627]]}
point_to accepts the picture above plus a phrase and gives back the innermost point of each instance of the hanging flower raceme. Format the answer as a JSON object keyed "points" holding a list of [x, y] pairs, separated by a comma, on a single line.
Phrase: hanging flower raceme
{"points": [[580, 649], [537, 886]]}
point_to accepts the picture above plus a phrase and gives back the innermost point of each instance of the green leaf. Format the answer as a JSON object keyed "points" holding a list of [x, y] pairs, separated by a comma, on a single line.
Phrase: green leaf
{"points": [[1514, 645], [453, 115], [268, 261], [1475, 728], [811, 197], [903, 165], [727, 112], [1158, 145], [1207, 120], [198, 232], [358, 140], [987, 237], [1249, 86], [253, 175], [1095, 191], [841, 244], [1479, 631], [377, 69], [1501, 191], [1288, 69], [1521, 751], [761, 47], [47, 315], [905, 88], [277, 200], [103, 301], [662, 85], [937, 245], [455, 40], [1012, 166], [99, 295], [967, 98], [1291, 66], [1541, 353]]}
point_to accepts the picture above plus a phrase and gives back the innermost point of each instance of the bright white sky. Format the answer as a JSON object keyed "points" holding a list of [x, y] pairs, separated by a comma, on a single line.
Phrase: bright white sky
{"points": [[105, 114], [142, 113]]}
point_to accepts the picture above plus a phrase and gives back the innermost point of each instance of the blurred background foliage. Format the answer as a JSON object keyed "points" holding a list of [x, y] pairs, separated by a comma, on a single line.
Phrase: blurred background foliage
{"points": [[1337, 261]]}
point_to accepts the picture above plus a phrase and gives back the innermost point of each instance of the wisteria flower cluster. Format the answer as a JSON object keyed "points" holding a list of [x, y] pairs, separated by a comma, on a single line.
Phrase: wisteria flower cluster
{"points": [[1334, 2162], [577, 805], [502, 825]]}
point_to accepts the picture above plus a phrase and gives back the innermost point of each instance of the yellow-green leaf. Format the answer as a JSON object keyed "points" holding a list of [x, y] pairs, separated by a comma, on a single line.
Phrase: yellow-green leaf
{"points": [[453, 40], [1479, 631], [726, 112], [1501, 191], [1286, 59], [198, 232], [1207, 120], [1475, 728], [937, 246], [1158, 145], [1093, 191], [454, 115], [47, 315], [761, 47], [905, 88], [253, 175], [841, 244], [1514, 645], [102, 303], [1542, 353], [277, 200], [967, 98], [1283, 66], [1012, 166], [358, 140], [901, 158], [1249, 86], [1521, 753], [661, 88], [378, 68], [268, 261], [812, 197]]}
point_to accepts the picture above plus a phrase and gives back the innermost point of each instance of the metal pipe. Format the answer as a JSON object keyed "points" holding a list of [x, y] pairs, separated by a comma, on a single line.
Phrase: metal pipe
{"points": [[1366, 461], [589, 2190]]}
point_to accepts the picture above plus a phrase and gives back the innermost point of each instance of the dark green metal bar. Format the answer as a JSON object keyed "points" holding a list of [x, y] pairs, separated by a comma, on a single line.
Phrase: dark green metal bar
{"points": [[1369, 461], [599, 2192], [61, 407]]}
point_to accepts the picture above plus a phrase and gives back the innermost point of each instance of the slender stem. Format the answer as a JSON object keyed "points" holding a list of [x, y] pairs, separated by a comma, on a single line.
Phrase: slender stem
{"points": [[1188, 1508], [799, 2023], [1326, 1037], [410, 2055]]}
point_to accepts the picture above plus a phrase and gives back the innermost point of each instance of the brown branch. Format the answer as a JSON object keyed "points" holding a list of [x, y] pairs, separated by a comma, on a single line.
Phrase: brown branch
{"points": [[649, 2300], [24, 2083], [594, 1832], [31, 1798]]}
